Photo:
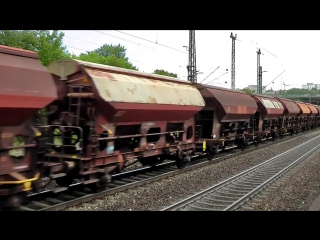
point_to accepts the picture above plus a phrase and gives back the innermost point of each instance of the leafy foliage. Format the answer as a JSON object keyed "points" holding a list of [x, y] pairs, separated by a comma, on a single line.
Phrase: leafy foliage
{"points": [[108, 54], [107, 50], [165, 73], [49, 46], [109, 60], [298, 91], [247, 90]]}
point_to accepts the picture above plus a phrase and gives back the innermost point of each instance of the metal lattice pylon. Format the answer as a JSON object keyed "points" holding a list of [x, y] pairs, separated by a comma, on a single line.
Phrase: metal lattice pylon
{"points": [[259, 73], [233, 65], [192, 67]]}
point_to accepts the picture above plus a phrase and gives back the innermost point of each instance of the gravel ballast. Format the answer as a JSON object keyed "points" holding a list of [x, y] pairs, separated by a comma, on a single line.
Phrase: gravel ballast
{"points": [[298, 191], [155, 196]]}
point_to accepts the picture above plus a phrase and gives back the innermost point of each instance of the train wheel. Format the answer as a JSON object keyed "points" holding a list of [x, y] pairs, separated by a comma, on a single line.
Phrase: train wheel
{"points": [[241, 146], [210, 155], [180, 163], [259, 139], [38, 186], [99, 185], [67, 180], [273, 135], [13, 201], [64, 181]]}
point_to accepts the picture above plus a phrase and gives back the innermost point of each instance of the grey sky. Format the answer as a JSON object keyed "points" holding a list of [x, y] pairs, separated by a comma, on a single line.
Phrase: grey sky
{"points": [[296, 52]]}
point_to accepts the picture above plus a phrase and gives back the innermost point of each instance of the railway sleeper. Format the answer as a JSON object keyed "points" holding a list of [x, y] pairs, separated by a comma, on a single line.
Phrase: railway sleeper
{"points": [[39, 204], [128, 180], [231, 191], [118, 182], [203, 208], [236, 188], [90, 181], [271, 172], [152, 174], [254, 182], [211, 204], [112, 185], [261, 178], [144, 176], [137, 178], [23, 208], [67, 197], [80, 194], [246, 183], [233, 194], [59, 189], [166, 170], [217, 196], [54, 200], [218, 200]]}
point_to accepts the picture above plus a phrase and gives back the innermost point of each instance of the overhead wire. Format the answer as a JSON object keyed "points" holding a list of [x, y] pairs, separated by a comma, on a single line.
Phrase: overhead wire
{"points": [[151, 41], [98, 44], [124, 39], [81, 49], [273, 79], [143, 45], [134, 42], [217, 78], [157, 43], [210, 74]]}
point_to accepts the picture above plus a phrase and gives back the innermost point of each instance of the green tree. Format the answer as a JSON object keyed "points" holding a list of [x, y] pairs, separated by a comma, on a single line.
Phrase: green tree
{"points": [[107, 50], [112, 55], [297, 91], [110, 60], [165, 73], [247, 90], [48, 45]]}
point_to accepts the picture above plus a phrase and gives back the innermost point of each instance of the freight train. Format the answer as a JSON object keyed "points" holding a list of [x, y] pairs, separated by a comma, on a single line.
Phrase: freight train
{"points": [[101, 119]]}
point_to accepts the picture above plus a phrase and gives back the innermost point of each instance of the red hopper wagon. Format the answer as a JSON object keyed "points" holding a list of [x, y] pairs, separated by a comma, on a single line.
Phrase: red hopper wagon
{"points": [[107, 118], [25, 88]]}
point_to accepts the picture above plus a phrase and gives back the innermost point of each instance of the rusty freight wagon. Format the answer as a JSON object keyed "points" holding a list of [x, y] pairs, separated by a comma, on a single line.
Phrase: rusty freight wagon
{"points": [[288, 123], [107, 118], [25, 88], [266, 119], [312, 118], [318, 116], [302, 118], [224, 122]]}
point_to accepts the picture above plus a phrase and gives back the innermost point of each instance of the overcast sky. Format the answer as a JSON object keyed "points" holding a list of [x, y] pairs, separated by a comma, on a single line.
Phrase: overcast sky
{"points": [[294, 52]]}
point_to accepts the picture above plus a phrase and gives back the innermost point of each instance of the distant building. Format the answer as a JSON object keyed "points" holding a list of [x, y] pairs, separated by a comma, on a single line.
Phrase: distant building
{"points": [[310, 86], [254, 88]]}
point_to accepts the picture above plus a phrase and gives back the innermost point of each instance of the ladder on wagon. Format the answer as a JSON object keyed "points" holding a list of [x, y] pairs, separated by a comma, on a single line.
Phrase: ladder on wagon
{"points": [[76, 94]]}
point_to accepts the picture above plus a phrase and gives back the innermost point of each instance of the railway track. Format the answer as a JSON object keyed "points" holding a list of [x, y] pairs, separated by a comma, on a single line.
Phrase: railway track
{"points": [[242, 188], [76, 194]]}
